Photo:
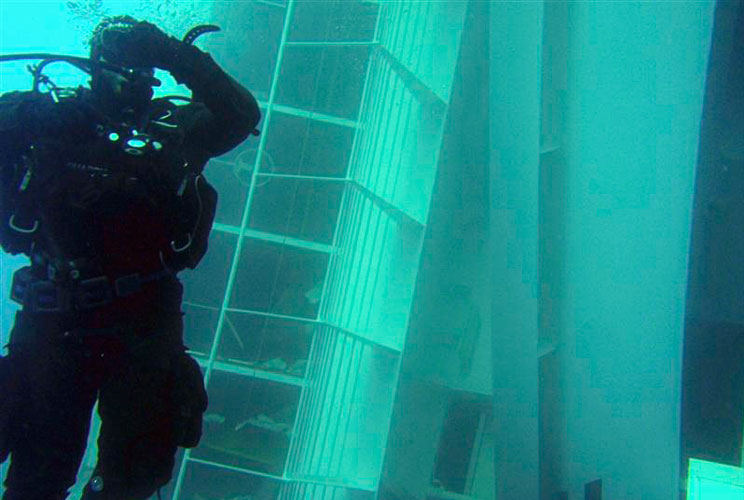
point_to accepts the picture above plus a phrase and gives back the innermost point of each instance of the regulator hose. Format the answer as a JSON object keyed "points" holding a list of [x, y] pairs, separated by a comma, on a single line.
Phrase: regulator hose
{"points": [[82, 63]]}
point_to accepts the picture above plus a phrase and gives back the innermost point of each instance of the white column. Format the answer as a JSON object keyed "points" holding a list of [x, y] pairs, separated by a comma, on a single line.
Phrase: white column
{"points": [[634, 102], [516, 38]]}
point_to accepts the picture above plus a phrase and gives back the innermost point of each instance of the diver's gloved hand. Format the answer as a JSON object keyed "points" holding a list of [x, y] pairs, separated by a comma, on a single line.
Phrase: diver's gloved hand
{"points": [[142, 45]]}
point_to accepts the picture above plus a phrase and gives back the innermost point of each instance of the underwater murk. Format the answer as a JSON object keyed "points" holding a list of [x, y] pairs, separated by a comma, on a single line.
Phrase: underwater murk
{"points": [[476, 249]]}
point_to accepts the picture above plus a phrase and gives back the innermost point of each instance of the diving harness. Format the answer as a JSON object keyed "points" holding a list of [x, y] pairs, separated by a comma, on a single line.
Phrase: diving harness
{"points": [[68, 284]]}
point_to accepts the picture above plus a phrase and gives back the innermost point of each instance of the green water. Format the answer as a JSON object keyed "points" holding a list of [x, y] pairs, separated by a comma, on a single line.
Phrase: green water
{"points": [[483, 250]]}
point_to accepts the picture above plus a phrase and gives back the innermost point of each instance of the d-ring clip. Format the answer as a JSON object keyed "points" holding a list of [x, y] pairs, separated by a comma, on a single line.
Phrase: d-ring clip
{"points": [[20, 229], [178, 249]]}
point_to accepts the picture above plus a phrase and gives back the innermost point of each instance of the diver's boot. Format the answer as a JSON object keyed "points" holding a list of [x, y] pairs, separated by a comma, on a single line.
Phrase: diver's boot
{"points": [[24, 495]]}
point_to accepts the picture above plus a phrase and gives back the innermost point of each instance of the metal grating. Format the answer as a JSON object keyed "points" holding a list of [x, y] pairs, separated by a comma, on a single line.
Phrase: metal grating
{"points": [[339, 432], [349, 387]]}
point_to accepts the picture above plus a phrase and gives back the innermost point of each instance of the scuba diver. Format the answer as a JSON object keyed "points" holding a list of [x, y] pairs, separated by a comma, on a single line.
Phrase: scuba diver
{"points": [[102, 189]]}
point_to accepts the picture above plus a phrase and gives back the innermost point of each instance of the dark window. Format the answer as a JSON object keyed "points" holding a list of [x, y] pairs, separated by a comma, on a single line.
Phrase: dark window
{"points": [[457, 441], [593, 490]]}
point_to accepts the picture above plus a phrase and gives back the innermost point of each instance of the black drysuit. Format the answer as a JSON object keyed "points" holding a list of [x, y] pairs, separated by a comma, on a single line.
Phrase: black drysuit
{"points": [[108, 211]]}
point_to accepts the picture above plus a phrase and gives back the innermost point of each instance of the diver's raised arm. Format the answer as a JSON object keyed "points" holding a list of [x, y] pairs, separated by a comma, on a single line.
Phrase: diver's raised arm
{"points": [[233, 111]]}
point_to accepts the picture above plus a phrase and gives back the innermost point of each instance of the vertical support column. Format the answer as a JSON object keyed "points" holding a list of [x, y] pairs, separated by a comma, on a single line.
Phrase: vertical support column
{"points": [[515, 73], [634, 101]]}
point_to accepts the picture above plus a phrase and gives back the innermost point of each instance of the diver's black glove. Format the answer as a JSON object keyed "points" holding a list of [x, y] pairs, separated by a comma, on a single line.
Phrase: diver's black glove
{"points": [[143, 45]]}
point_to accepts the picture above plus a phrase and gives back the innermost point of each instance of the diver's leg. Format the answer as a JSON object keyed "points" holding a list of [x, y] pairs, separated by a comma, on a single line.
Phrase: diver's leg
{"points": [[8, 404], [136, 445], [49, 428]]}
